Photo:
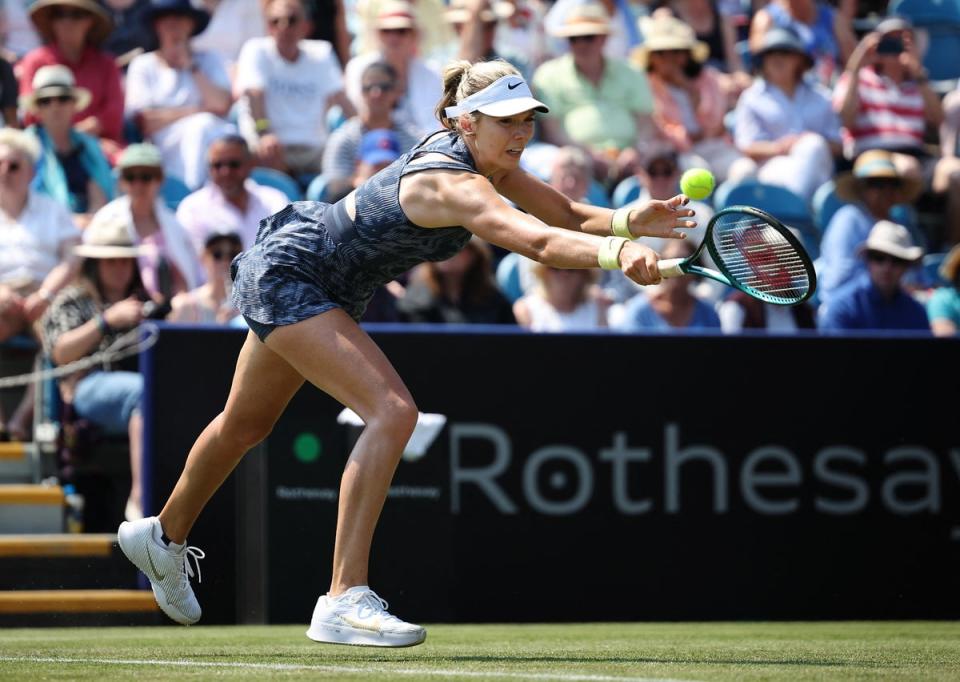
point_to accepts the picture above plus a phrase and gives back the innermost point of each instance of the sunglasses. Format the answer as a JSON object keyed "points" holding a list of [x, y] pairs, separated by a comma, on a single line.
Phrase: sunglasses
{"points": [[661, 171], [11, 166], [278, 22], [882, 183], [59, 99], [396, 31], [140, 177], [63, 13], [382, 87], [224, 254], [583, 39], [886, 258], [232, 164]]}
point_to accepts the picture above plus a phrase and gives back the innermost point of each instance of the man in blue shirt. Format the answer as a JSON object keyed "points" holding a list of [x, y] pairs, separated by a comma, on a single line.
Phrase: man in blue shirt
{"points": [[877, 300]]}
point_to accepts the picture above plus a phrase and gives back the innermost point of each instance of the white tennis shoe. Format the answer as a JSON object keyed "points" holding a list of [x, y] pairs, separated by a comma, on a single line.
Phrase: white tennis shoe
{"points": [[359, 616], [168, 568]]}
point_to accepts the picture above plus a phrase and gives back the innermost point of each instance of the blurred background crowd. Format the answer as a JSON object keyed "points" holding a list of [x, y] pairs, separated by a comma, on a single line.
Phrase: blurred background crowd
{"points": [[144, 140]]}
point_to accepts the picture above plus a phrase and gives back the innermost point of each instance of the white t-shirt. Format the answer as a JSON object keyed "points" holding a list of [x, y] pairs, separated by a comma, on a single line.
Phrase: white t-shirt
{"points": [[151, 84], [296, 93], [232, 24], [416, 107], [34, 243]]}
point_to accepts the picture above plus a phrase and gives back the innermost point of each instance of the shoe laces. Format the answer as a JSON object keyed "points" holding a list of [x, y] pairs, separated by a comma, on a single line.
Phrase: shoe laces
{"points": [[372, 602], [197, 554]]}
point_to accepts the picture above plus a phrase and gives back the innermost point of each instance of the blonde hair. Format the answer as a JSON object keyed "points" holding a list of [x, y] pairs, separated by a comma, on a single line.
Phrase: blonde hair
{"points": [[462, 78], [21, 142]]}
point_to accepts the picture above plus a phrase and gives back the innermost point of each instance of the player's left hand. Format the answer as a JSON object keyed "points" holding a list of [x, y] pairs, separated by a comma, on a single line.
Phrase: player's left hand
{"points": [[663, 218]]}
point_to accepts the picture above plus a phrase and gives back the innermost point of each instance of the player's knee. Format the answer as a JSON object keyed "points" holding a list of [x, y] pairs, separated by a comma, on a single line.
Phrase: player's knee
{"points": [[398, 414], [243, 434]]}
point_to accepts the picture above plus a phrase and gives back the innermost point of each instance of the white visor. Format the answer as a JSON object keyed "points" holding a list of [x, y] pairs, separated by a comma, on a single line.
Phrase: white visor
{"points": [[506, 96]]}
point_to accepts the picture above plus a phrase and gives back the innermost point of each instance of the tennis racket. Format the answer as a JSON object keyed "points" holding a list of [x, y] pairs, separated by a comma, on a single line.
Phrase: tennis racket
{"points": [[755, 253]]}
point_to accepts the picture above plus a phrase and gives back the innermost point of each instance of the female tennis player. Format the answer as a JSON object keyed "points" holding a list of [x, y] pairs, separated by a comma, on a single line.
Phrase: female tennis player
{"points": [[305, 283]]}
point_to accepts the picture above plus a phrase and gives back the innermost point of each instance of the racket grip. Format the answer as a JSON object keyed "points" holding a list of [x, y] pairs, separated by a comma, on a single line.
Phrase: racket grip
{"points": [[670, 267]]}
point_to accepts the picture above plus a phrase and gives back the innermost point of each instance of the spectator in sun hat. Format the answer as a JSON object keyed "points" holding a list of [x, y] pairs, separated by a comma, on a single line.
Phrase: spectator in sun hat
{"points": [[73, 32], [230, 200], [419, 84], [475, 25], [380, 95], [623, 33], [286, 85], [432, 30], [885, 101], [943, 307], [600, 103], [105, 301], [72, 168], [784, 123], [689, 107], [179, 96], [872, 188], [877, 299], [168, 264]]}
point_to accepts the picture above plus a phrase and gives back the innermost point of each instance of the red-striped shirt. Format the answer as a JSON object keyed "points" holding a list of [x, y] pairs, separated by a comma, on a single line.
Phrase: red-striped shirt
{"points": [[890, 116]]}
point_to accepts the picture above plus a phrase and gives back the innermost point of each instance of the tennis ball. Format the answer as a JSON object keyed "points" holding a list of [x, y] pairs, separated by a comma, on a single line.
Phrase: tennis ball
{"points": [[697, 183]]}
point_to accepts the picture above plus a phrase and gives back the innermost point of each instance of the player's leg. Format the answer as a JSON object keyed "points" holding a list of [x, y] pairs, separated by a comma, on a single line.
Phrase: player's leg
{"points": [[332, 352], [262, 386]]}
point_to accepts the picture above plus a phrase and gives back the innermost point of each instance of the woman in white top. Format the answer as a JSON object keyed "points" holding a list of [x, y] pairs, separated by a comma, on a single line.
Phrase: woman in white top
{"points": [[563, 300]]}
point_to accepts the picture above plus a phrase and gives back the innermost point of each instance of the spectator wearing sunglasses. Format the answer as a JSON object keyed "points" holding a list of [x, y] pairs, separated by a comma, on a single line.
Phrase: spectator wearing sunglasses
{"points": [[398, 43], [168, 263], [177, 95], [286, 84], [877, 299], [230, 201], [72, 168], [210, 302], [376, 112], [73, 33], [599, 103], [872, 188]]}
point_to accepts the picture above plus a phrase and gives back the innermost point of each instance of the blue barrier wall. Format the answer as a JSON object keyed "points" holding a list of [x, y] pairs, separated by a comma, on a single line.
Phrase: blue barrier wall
{"points": [[584, 478]]}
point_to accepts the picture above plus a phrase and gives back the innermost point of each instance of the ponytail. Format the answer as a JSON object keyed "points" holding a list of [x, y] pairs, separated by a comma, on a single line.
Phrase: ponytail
{"points": [[462, 79]]}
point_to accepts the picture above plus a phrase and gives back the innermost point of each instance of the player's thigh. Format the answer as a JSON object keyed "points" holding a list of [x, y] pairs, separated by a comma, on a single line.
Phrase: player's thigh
{"points": [[333, 353], [263, 384]]}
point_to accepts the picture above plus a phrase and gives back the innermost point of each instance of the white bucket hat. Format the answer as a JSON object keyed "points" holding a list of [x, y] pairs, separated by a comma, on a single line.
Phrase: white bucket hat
{"points": [[894, 240], [55, 80], [108, 236], [506, 96]]}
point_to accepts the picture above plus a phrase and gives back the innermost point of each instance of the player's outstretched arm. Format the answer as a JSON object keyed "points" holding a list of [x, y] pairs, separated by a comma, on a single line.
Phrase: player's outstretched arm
{"points": [[653, 219], [441, 198]]}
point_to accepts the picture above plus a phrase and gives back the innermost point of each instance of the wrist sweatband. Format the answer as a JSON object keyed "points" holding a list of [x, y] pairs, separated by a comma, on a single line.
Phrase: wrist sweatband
{"points": [[609, 254], [620, 223], [102, 325]]}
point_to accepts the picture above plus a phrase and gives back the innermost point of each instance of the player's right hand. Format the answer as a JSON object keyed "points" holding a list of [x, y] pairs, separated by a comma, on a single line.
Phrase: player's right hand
{"points": [[639, 263]]}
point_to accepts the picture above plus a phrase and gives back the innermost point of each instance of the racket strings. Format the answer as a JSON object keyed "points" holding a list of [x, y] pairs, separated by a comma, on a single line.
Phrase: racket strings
{"points": [[760, 258]]}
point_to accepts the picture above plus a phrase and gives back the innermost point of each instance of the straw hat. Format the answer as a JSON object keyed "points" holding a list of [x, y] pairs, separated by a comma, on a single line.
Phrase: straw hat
{"points": [[893, 239], [666, 32], [950, 265], [396, 14], [458, 13], [876, 163], [41, 14], [108, 236], [54, 80], [589, 19]]}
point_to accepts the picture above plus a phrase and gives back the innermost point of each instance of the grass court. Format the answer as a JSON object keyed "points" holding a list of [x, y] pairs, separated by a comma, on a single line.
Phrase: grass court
{"points": [[597, 652]]}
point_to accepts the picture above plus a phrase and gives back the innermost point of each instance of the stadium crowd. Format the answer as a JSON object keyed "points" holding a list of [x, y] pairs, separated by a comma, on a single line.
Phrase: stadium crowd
{"points": [[176, 127]]}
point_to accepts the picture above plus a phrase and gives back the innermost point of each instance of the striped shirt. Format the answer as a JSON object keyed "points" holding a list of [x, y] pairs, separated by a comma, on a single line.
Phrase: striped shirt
{"points": [[890, 116]]}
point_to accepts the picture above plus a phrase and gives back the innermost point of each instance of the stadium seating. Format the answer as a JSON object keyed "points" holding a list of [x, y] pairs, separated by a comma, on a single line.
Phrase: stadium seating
{"points": [[791, 209], [508, 276], [941, 21], [627, 190], [824, 204], [930, 266], [317, 189], [597, 195], [279, 180], [172, 191]]}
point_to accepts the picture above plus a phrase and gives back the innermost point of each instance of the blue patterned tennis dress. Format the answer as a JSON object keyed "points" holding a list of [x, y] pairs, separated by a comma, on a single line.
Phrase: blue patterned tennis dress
{"points": [[310, 257]]}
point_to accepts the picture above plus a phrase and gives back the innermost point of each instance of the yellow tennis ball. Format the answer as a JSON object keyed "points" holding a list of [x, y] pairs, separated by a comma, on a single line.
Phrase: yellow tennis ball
{"points": [[697, 183]]}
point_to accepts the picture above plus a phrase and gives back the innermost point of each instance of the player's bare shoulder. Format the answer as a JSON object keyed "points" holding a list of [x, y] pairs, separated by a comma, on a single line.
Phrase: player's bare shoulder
{"points": [[438, 197]]}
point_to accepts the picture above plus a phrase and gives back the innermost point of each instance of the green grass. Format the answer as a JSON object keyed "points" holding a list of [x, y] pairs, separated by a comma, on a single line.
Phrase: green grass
{"points": [[590, 652]]}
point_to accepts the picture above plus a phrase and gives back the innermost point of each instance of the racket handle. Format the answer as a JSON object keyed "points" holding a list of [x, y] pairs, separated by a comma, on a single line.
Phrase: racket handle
{"points": [[670, 267]]}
